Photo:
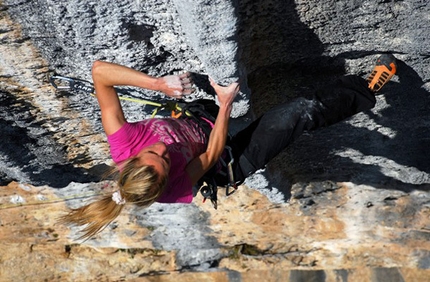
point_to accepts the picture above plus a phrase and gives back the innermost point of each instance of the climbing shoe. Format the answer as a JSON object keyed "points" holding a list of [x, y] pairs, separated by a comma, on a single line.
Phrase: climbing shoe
{"points": [[384, 70]]}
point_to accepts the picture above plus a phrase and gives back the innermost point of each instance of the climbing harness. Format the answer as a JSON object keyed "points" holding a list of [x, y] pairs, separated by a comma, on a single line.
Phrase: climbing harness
{"points": [[197, 111], [203, 111]]}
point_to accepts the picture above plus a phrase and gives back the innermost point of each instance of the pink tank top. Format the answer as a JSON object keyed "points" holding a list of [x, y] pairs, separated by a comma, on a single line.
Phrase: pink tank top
{"points": [[184, 139]]}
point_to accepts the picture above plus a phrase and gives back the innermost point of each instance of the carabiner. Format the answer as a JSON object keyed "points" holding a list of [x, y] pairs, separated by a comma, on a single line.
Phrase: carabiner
{"points": [[62, 83]]}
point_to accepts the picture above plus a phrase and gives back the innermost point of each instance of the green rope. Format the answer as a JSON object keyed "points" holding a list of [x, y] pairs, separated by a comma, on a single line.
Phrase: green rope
{"points": [[64, 83]]}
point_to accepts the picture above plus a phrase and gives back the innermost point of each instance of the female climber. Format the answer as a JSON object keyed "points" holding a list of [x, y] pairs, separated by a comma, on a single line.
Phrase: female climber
{"points": [[161, 159]]}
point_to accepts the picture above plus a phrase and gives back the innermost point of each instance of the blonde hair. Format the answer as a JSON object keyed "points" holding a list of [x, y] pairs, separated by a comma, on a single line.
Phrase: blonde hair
{"points": [[140, 185]]}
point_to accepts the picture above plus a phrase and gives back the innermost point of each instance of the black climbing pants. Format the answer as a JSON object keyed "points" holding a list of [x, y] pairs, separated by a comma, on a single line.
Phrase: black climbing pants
{"points": [[267, 136]]}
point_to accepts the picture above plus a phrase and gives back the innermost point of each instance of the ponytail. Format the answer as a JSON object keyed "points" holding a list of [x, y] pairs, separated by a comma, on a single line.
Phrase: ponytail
{"points": [[140, 185], [96, 216]]}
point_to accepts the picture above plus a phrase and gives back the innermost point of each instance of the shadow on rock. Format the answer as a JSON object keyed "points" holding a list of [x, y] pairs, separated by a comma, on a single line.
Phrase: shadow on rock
{"points": [[30, 154], [384, 147]]}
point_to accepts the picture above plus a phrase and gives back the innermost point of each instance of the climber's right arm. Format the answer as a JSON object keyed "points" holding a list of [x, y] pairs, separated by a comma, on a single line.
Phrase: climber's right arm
{"points": [[107, 75]]}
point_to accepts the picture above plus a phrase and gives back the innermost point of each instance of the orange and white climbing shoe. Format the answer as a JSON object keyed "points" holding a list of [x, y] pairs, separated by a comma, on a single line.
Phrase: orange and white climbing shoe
{"points": [[384, 70]]}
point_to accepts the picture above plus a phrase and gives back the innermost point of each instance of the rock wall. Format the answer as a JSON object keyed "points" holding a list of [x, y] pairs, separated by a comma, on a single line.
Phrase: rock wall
{"points": [[346, 203]]}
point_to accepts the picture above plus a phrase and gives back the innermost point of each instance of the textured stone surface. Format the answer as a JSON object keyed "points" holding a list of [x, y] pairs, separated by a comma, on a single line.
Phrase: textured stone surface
{"points": [[346, 203], [367, 233]]}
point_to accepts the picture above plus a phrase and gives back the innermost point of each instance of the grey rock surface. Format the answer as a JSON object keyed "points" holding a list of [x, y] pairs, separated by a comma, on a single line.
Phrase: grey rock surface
{"points": [[279, 50]]}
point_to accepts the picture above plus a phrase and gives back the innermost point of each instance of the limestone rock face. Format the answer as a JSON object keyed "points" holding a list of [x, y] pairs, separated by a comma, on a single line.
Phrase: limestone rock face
{"points": [[346, 203]]}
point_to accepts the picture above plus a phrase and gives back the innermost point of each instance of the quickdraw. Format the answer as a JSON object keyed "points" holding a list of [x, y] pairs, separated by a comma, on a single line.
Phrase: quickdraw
{"points": [[209, 188]]}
